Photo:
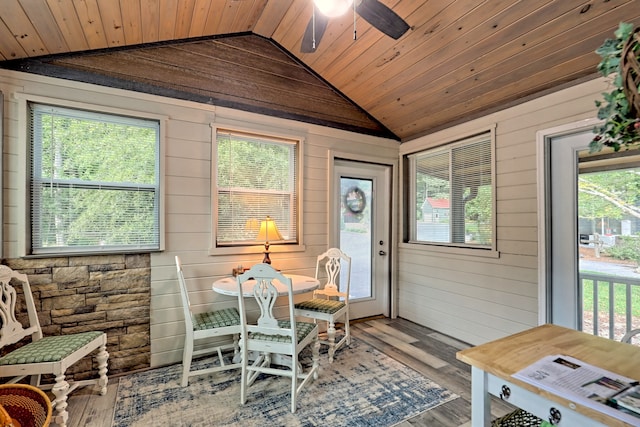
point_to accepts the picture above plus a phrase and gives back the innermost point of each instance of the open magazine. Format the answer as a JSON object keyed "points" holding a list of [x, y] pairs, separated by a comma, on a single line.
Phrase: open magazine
{"points": [[587, 385]]}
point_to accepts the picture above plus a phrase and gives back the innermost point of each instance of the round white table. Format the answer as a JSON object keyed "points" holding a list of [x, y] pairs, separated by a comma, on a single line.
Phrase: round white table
{"points": [[301, 284]]}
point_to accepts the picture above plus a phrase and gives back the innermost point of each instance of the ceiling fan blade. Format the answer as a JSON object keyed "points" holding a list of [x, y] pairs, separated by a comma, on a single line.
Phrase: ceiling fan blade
{"points": [[383, 18], [320, 27]]}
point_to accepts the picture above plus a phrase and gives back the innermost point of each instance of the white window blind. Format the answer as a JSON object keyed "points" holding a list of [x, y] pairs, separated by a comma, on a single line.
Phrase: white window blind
{"points": [[257, 176], [453, 194], [94, 181]]}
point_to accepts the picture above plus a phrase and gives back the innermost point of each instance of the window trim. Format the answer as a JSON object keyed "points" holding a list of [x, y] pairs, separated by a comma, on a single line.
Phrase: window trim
{"points": [[23, 100], [2, 197], [253, 248], [408, 193]]}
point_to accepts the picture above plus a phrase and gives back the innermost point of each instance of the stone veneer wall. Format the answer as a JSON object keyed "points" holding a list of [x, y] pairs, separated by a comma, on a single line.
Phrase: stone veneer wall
{"points": [[111, 293]]}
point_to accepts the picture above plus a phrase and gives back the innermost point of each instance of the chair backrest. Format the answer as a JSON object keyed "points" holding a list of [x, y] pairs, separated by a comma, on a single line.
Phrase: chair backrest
{"points": [[184, 295], [265, 294], [338, 276], [12, 330]]}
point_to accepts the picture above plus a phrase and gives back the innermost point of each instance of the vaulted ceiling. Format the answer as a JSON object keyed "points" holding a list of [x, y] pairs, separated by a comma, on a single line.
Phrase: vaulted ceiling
{"points": [[460, 59]]}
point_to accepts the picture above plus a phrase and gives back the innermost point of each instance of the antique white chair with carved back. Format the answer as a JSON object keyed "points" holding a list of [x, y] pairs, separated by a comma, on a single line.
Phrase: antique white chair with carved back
{"points": [[44, 355], [201, 329], [331, 303], [269, 336]]}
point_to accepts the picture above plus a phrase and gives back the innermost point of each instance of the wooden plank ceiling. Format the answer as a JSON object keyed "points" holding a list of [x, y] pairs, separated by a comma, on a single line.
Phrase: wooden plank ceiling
{"points": [[459, 60]]}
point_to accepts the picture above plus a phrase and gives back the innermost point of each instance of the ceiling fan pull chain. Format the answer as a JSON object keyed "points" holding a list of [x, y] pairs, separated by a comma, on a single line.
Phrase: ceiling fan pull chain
{"points": [[313, 19], [354, 21]]}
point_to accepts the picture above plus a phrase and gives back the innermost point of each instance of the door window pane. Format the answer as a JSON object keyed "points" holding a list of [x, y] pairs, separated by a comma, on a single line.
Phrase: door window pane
{"points": [[356, 231]]}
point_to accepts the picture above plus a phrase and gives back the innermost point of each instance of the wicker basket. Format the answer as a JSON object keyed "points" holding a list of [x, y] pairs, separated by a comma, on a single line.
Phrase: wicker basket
{"points": [[27, 406], [630, 67]]}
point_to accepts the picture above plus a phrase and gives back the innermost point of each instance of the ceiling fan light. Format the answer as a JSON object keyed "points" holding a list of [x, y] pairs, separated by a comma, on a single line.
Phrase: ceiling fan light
{"points": [[333, 8]]}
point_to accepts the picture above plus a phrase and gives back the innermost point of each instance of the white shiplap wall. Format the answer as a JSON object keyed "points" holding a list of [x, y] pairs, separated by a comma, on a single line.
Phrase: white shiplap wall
{"points": [[187, 172], [472, 298], [475, 298]]}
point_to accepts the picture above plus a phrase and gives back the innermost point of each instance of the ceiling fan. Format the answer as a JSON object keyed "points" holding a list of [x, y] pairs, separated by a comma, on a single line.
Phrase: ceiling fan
{"points": [[372, 11]]}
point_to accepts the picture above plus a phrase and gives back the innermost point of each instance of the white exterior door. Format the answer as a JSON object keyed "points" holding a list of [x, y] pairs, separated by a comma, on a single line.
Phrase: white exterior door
{"points": [[361, 227], [563, 219]]}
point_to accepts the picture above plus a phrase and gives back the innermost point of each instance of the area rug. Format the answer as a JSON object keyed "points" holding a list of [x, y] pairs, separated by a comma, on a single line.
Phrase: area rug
{"points": [[363, 387]]}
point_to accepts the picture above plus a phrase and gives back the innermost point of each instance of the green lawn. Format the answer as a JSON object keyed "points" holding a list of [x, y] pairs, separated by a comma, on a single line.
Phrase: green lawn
{"points": [[619, 297]]}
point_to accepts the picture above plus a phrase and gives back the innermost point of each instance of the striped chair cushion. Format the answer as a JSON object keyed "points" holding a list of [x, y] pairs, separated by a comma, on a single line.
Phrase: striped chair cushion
{"points": [[321, 305], [302, 328], [49, 349], [215, 319]]}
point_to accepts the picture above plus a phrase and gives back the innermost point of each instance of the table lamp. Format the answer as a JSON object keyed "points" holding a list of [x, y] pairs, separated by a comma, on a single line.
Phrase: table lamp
{"points": [[268, 230], [252, 225]]}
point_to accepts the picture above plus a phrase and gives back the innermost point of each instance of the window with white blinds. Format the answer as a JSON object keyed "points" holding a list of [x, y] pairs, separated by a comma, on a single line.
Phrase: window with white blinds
{"points": [[452, 194], [95, 181], [256, 177]]}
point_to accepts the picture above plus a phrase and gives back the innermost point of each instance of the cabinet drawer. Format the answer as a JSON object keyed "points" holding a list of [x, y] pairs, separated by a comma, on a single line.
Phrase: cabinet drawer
{"points": [[537, 405]]}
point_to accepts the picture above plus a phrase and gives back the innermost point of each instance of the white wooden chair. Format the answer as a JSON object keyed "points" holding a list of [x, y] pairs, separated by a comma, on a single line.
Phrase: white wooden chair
{"points": [[269, 336], [44, 355], [629, 336], [330, 304], [201, 328]]}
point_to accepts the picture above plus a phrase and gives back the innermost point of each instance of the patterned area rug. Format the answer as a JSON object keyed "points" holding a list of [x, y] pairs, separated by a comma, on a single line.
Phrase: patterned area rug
{"points": [[362, 387]]}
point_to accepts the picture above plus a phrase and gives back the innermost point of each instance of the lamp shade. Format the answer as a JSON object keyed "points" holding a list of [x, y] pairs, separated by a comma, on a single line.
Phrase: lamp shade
{"points": [[333, 8], [268, 231], [252, 224]]}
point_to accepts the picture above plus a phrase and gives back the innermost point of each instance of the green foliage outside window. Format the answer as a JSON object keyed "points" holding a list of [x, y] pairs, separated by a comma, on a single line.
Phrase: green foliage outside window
{"points": [[94, 181], [621, 128], [256, 178], [626, 248], [612, 195], [478, 215]]}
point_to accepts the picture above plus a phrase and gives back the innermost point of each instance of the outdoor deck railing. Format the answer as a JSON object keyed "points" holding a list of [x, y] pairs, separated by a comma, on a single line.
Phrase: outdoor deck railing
{"points": [[607, 304]]}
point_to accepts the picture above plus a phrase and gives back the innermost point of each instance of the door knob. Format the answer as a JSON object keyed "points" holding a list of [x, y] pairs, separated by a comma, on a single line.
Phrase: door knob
{"points": [[382, 253]]}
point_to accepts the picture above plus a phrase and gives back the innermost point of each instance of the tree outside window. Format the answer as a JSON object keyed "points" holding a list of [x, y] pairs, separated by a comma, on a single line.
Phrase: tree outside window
{"points": [[256, 177], [94, 181]]}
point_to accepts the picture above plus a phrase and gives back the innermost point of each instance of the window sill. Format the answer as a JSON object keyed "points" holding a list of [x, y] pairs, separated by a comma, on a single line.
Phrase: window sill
{"points": [[477, 252], [89, 253], [273, 249]]}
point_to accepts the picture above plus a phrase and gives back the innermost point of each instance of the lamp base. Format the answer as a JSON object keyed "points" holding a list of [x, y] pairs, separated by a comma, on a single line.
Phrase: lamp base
{"points": [[266, 259]]}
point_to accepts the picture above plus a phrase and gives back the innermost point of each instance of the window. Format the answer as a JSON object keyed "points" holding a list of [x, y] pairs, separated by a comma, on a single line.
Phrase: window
{"points": [[94, 181], [451, 194], [257, 176]]}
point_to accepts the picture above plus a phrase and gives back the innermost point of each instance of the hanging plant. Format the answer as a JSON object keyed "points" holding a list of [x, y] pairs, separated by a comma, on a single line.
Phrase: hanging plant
{"points": [[621, 127]]}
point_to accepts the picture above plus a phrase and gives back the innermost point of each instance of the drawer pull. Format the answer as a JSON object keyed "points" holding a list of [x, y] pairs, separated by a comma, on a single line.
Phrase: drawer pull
{"points": [[554, 416], [505, 393]]}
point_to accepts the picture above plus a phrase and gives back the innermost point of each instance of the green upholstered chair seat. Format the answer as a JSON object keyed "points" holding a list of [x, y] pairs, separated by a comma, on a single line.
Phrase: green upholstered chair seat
{"points": [[49, 349], [519, 418], [275, 341], [321, 305], [51, 355], [302, 329], [199, 331], [215, 319]]}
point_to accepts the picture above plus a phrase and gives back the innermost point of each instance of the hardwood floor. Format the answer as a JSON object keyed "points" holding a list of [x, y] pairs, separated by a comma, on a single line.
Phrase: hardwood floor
{"points": [[424, 350]]}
